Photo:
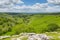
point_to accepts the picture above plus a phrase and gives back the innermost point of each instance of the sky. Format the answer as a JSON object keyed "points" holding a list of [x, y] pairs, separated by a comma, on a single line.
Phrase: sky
{"points": [[30, 6]]}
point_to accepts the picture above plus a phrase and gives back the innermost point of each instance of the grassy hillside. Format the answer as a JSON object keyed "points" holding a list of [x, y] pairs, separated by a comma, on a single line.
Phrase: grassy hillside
{"points": [[15, 23]]}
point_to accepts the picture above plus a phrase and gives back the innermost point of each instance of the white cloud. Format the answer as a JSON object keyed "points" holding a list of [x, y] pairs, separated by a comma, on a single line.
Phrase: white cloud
{"points": [[56, 2], [52, 9], [17, 1], [34, 8], [9, 3], [10, 6], [55, 6]]}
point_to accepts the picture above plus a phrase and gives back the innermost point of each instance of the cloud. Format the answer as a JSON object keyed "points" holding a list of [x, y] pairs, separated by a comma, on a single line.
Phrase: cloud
{"points": [[9, 3], [37, 8], [17, 1], [53, 9], [56, 2], [54, 6], [34, 8], [14, 6]]}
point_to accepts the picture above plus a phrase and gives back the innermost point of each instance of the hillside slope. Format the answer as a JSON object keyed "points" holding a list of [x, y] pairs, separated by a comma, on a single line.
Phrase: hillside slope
{"points": [[38, 23]]}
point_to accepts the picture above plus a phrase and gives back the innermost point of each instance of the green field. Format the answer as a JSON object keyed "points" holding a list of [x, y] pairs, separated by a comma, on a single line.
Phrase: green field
{"points": [[16, 23]]}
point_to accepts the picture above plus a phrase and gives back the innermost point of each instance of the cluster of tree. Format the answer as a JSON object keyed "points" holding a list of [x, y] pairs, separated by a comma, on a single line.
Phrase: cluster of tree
{"points": [[15, 23], [7, 22]]}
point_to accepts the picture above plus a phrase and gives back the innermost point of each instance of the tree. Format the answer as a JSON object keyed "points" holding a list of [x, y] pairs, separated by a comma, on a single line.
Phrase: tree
{"points": [[52, 27]]}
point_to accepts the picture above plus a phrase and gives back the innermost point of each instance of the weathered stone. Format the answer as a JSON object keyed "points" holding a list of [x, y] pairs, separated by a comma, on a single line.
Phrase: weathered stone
{"points": [[18, 39], [30, 36], [2, 37]]}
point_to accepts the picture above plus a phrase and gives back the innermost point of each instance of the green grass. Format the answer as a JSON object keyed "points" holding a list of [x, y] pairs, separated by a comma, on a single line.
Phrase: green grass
{"points": [[25, 38], [11, 24], [54, 35], [6, 39]]}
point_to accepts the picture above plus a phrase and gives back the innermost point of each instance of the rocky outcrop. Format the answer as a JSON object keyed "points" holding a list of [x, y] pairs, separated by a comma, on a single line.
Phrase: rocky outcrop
{"points": [[33, 36], [2, 37], [30, 36]]}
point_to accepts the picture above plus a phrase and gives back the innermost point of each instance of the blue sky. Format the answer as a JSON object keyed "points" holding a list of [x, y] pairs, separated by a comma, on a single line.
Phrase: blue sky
{"points": [[31, 2], [30, 6]]}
